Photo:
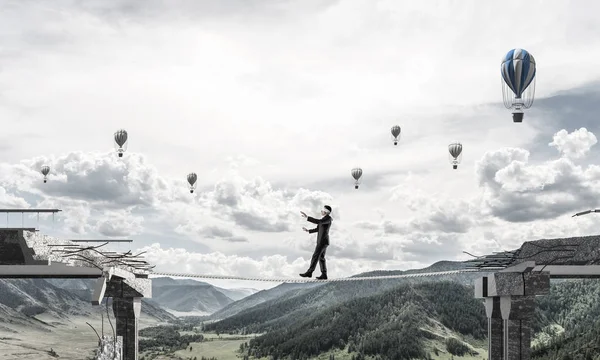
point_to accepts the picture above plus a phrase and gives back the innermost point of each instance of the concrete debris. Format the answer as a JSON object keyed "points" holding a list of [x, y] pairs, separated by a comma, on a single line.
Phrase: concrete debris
{"points": [[52, 249], [108, 349]]}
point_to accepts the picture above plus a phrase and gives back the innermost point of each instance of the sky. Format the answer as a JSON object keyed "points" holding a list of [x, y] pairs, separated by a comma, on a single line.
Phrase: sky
{"points": [[272, 103]]}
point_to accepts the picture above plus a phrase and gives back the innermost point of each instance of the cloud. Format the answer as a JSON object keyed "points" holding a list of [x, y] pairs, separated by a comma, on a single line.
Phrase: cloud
{"points": [[209, 232], [96, 178], [269, 266], [344, 245], [255, 205], [8, 200], [574, 145], [517, 200], [239, 214], [115, 187], [430, 214], [273, 127], [119, 223], [517, 191]]}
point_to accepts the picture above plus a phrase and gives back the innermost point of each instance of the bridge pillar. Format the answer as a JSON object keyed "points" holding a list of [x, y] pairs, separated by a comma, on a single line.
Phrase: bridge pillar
{"points": [[495, 328], [510, 305], [517, 314], [127, 313]]}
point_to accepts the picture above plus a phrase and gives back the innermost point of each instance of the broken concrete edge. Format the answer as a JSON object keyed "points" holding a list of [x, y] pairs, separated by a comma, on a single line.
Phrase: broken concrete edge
{"points": [[39, 261], [512, 284], [42, 247]]}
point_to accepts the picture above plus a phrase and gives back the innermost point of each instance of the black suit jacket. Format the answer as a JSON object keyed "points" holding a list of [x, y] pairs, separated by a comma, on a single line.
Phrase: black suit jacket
{"points": [[322, 228]]}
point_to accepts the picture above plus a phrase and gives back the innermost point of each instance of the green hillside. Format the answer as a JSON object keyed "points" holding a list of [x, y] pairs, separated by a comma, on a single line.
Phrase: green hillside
{"points": [[285, 310], [568, 321], [412, 320], [395, 324]]}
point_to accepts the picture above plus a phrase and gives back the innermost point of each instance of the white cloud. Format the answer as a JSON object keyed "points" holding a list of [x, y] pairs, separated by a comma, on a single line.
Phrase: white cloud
{"points": [[518, 191], [574, 145], [8, 200], [272, 104], [251, 216], [119, 223]]}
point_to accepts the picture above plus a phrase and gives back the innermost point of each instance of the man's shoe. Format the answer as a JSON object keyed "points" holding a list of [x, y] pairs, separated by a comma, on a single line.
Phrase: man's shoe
{"points": [[322, 277], [306, 274]]}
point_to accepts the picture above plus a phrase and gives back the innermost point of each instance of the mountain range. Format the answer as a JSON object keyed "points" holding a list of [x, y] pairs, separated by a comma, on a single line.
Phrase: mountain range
{"points": [[418, 317], [424, 318], [23, 299], [284, 304], [180, 297]]}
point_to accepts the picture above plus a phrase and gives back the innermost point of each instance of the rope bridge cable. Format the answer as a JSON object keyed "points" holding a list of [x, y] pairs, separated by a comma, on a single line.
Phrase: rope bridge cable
{"points": [[305, 280]]}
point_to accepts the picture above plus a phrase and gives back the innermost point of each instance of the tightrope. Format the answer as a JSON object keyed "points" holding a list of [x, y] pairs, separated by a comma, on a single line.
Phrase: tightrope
{"points": [[306, 280]]}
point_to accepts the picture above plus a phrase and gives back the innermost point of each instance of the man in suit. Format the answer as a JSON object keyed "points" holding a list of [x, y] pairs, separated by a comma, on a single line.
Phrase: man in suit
{"points": [[322, 231]]}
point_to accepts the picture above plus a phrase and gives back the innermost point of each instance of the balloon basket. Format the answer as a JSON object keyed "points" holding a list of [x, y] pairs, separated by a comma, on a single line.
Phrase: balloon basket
{"points": [[356, 186], [191, 191], [455, 166], [518, 117], [44, 181], [120, 154], [395, 143]]}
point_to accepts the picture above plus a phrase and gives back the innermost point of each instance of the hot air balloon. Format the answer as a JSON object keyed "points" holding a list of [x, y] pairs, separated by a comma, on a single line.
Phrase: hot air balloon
{"points": [[191, 178], [45, 171], [518, 88], [121, 141], [356, 174], [455, 150], [396, 133]]}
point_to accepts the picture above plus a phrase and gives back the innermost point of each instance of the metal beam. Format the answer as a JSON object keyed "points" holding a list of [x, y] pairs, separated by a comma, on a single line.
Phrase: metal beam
{"points": [[29, 210], [96, 240], [19, 228], [570, 271], [54, 271]]}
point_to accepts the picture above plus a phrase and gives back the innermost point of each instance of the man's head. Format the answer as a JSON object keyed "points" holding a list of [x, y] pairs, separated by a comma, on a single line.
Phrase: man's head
{"points": [[326, 210]]}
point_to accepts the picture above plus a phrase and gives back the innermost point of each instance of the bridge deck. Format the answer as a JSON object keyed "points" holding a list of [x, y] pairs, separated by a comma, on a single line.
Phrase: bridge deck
{"points": [[53, 271], [570, 271]]}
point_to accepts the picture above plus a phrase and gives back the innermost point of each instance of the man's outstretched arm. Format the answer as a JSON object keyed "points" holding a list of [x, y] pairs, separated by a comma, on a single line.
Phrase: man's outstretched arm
{"points": [[310, 231], [318, 221]]}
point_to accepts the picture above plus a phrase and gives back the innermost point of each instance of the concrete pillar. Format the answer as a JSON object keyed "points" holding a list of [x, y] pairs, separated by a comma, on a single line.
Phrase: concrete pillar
{"points": [[127, 313], [509, 303], [495, 328], [517, 314]]}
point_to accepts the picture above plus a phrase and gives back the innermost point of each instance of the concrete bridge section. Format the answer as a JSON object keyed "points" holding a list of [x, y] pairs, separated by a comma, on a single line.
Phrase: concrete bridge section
{"points": [[509, 293], [25, 253]]}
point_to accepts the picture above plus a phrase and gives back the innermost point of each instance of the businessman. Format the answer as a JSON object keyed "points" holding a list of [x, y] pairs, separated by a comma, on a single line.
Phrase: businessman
{"points": [[322, 231]]}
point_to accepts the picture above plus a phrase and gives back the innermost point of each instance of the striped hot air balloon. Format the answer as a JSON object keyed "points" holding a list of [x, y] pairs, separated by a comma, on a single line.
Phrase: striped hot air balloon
{"points": [[356, 174], [45, 171], [455, 151], [396, 130], [518, 88], [121, 138], [191, 178]]}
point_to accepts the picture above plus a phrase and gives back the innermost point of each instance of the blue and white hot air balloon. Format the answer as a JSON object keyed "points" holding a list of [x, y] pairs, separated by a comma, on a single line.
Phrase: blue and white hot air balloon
{"points": [[518, 89]]}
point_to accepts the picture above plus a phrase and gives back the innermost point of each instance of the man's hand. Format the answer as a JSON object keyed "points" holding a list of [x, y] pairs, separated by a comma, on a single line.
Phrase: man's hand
{"points": [[305, 229], [303, 214]]}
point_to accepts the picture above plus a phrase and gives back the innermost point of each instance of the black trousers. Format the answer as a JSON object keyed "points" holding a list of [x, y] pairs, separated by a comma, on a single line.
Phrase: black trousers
{"points": [[318, 256]]}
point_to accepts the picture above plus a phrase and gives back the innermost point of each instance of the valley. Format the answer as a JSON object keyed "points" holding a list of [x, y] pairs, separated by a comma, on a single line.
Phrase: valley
{"points": [[375, 320]]}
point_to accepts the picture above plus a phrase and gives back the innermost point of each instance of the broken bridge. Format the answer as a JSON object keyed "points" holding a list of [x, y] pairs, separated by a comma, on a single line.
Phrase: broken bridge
{"points": [[25, 253]]}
